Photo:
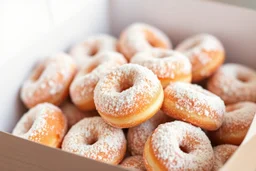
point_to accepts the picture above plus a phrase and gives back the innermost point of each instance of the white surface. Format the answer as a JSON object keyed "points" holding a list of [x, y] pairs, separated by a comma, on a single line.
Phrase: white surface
{"points": [[25, 21], [22, 22]]}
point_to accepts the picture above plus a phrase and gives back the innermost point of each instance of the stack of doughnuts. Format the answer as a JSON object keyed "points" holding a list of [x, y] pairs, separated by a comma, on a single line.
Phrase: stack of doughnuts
{"points": [[137, 103]]}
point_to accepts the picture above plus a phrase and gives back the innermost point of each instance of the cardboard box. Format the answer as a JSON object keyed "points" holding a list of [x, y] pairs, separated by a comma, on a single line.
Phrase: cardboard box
{"points": [[235, 27]]}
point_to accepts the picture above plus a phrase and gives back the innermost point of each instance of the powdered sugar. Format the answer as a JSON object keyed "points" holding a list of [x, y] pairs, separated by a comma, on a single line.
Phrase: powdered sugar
{"points": [[237, 121], [137, 136], [194, 46], [242, 114], [35, 124], [234, 83], [192, 97], [108, 144], [81, 89], [136, 37], [126, 89], [169, 137], [52, 81], [82, 52], [164, 63], [134, 162]]}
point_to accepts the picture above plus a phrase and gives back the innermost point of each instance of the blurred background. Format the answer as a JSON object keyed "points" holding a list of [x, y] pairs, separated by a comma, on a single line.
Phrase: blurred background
{"points": [[24, 21]]}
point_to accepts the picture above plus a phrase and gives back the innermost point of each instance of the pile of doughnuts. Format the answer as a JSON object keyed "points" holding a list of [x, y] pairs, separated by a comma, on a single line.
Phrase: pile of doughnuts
{"points": [[137, 103]]}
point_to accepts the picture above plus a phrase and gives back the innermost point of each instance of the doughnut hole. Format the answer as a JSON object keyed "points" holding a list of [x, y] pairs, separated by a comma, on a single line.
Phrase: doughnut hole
{"points": [[37, 73], [188, 144], [125, 83], [28, 125], [90, 68], [231, 108], [91, 140], [93, 51], [184, 149], [242, 78], [153, 40]]}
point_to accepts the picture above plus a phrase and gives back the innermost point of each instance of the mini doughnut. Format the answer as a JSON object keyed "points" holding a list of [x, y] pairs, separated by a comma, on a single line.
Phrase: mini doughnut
{"points": [[128, 96], [134, 163], [81, 89], [169, 66], [141, 37], [191, 103], [237, 120], [234, 83], [221, 154], [83, 52], [137, 136], [205, 52], [73, 114], [178, 146], [44, 124], [49, 81], [93, 138]]}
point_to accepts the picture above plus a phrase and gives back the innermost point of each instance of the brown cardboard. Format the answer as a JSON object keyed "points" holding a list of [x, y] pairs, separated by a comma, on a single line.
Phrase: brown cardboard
{"points": [[234, 26]]}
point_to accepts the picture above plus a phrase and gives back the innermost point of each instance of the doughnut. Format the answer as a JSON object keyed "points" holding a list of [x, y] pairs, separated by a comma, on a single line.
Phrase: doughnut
{"points": [[234, 83], [141, 37], [221, 154], [49, 82], [191, 103], [92, 46], [73, 114], [134, 163], [128, 96], [178, 146], [93, 138], [44, 124], [237, 120], [205, 52], [137, 136], [81, 89], [169, 66]]}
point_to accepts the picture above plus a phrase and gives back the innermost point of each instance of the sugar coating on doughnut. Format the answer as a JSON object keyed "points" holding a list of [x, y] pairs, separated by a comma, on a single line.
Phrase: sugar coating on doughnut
{"points": [[142, 84], [134, 163], [137, 136], [164, 63], [73, 114], [205, 53], [49, 81], [234, 83], [137, 37], [93, 138], [240, 114], [168, 139], [93, 45], [221, 154], [237, 120], [193, 46], [191, 97], [82, 88], [41, 124]]}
